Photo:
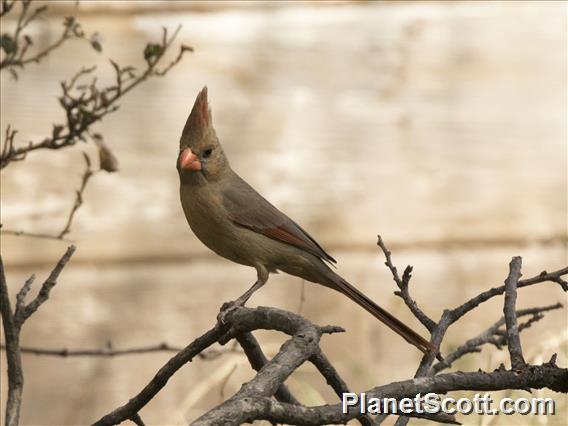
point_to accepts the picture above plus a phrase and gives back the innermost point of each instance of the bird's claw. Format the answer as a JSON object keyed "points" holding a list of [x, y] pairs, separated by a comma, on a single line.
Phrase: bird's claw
{"points": [[227, 311]]}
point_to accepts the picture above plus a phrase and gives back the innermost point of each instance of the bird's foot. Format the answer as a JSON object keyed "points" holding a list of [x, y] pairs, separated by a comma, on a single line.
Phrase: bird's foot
{"points": [[228, 309]]}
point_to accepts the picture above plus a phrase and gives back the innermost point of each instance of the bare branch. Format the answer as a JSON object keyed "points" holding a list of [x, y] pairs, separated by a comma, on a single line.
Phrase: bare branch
{"points": [[6, 6], [328, 371], [13, 322], [33, 235], [449, 317], [87, 174], [84, 104], [493, 335], [13, 356], [88, 104], [258, 360], [240, 321], [107, 162], [109, 352], [544, 276], [135, 404], [333, 379], [264, 408], [21, 296], [8, 146], [26, 311], [183, 48], [292, 354], [513, 339], [253, 400], [402, 284], [16, 45]]}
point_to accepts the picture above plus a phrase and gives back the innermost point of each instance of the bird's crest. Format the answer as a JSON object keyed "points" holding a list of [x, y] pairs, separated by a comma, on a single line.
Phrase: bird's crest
{"points": [[200, 119]]}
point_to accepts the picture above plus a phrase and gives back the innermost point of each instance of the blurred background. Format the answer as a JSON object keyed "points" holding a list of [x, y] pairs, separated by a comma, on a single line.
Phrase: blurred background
{"points": [[440, 126]]}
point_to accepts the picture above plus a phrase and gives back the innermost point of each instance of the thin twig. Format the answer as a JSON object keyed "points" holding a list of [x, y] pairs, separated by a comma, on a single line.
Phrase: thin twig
{"points": [[509, 310], [16, 56], [474, 302], [402, 284], [109, 352], [25, 311], [92, 103], [493, 335], [107, 162], [6, 6], [21, 296], [87, 174], [34, 235], [8, 146]]}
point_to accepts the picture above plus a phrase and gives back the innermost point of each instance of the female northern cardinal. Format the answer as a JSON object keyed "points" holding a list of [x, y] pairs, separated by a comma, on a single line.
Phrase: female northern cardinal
{"points": [[236, 222]]}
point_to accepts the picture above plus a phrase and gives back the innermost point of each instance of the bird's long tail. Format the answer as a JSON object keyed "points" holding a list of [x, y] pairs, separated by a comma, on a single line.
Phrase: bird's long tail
{"points": [[386, 318]]}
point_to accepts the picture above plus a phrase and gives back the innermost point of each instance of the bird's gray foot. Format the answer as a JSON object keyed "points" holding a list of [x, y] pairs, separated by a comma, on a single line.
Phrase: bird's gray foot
{"points": [[228, 309]]}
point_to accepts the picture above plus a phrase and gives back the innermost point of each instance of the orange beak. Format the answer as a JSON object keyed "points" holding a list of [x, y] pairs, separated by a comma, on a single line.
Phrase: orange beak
{"points": [[189, 161]]}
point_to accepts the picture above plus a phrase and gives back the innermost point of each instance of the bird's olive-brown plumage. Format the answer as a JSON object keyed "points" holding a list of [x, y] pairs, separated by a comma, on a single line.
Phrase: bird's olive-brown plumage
{"points": [[236, 222]]}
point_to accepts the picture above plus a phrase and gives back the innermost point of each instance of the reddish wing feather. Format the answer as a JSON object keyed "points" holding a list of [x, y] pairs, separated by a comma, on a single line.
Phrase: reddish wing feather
{"points": [[286, 236]]}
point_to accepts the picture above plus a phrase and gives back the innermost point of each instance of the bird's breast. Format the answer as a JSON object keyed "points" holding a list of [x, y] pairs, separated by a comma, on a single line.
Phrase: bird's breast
{"points": [[209, 221]]}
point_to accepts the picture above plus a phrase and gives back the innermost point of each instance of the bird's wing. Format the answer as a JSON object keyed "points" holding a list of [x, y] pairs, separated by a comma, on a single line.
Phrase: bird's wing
{"points": [[249, 209]]}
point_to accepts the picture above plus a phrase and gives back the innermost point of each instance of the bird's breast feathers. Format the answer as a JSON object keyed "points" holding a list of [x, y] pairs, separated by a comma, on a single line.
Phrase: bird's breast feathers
{"points": [[208, 220]]}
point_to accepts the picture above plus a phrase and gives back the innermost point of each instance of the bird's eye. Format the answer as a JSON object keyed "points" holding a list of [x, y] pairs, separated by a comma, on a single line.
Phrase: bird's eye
{"points": [[207, 153]]}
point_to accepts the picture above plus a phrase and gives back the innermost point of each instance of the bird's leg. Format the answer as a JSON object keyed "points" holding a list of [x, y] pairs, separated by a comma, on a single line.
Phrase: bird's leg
{"points": [[262, 278], [246, 296]]}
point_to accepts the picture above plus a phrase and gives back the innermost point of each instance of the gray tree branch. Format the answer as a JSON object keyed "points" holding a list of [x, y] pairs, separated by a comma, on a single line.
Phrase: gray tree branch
{"points": [[13, 356], [402, 284], [13, 322], [110, 352], [264, 408], [254, 401], [25, 311], [303, 344], [258, 360], [474, 302], [135, 404], [509, 310], [493, 335]]}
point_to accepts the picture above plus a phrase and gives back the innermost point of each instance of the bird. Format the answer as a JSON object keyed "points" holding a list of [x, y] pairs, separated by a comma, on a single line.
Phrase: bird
{"points": [[233, 220]]}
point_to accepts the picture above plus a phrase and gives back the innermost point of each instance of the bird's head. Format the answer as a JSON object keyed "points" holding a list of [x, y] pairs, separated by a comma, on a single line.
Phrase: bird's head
{"points": [[200, 152]]}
